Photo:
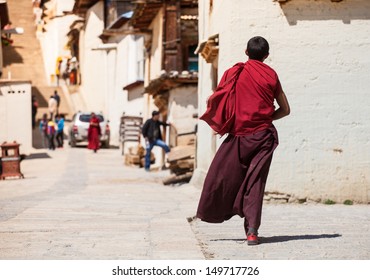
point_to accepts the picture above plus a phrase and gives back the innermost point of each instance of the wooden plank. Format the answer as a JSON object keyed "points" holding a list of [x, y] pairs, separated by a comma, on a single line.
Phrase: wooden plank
{"points": [[181, 152], [183, 164], [183, 140], [185, 178], [132, 160]]}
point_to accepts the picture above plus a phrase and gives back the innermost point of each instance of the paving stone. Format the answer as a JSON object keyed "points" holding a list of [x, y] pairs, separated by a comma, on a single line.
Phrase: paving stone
{"points": [[74, 204]]}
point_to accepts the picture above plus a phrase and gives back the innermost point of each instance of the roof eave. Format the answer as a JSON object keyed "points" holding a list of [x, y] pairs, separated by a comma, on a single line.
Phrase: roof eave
{"points": [[82, 6]]}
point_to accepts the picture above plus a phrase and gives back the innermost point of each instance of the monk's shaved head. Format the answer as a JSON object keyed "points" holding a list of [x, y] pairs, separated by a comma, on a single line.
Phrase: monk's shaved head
{"points": [[257, 48]]}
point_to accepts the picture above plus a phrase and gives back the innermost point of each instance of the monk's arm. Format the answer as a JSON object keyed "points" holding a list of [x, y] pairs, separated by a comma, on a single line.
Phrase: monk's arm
{"points": [[284, 108]]}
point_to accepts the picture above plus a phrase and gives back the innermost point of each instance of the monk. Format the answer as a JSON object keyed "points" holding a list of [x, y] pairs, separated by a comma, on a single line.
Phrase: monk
{"points": [[93, 133], [236, 178]]}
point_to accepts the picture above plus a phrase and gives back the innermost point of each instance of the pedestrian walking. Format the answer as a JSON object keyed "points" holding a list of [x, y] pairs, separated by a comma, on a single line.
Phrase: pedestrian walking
{"points": [[73, 66], [243, 106], [52, 105], [60, 131], [153, 136], [35, 105], [94, 133], [58, 69], [57, 98], [43, 127], [65, 70], [51, 134]]}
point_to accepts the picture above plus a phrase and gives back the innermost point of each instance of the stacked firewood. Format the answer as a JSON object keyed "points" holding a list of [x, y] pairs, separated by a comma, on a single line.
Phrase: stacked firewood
{"points": [[181, 160], [136, 156]]}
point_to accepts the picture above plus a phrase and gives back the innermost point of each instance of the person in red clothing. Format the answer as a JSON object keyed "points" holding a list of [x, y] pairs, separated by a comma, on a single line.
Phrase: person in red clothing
{"points": [[93, 133], [236, 178]]}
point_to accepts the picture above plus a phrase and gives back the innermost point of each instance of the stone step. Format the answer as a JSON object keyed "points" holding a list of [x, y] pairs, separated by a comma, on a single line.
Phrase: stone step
{"points": [[43, 94]]}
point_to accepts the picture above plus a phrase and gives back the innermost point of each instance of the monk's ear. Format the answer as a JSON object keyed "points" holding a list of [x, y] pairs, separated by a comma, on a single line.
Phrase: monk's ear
{"points": [[266, 56], [246, 52]]}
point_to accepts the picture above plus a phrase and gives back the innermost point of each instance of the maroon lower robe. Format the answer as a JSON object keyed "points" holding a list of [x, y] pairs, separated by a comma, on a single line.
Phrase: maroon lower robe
{"points": [[93, 134], [235, 182]]}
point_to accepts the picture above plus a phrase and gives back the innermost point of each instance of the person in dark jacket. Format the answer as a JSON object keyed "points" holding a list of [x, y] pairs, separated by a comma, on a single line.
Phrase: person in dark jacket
{"points": [[153, 137]]}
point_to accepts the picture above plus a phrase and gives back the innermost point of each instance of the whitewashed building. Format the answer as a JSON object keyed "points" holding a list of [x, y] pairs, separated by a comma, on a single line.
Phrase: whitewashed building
{"points": [[321, 51], [111, 62], [15, 113]]}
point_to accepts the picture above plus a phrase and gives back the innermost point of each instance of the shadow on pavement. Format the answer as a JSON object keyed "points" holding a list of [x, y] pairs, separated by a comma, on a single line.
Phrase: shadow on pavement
{"points": [[37, 156], [231, 239], [283, 238]]}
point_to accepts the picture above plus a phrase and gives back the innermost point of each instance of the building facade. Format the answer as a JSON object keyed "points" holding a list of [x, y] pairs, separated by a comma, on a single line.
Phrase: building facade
{"points": [[110, 61], [320, 50], [15, 94], [15, 113], [171, 67]]}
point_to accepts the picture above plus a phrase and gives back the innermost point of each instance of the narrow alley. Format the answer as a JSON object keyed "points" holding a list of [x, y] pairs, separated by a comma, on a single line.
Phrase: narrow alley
{"points": [[152, 66]]}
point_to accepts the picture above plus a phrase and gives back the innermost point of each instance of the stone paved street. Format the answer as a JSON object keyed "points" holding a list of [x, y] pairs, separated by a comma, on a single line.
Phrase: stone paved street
{"points": [[294, 232], [81, 205], [74, 204]]}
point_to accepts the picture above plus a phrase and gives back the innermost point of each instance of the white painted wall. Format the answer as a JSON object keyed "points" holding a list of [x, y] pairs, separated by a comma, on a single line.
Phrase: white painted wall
{"points": [[125, 72], [321, 51], [156, 52], [94, 64], [130, 52], [182, 105], [209, 24], [15, 101]]}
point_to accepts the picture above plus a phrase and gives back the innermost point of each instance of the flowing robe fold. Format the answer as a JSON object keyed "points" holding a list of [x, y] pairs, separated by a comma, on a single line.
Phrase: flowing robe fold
{"points": [[236, 179]]}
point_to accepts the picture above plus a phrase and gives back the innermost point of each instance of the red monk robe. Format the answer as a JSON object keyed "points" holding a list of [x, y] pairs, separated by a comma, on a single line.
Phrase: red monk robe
{"points": [[93, 133], [236, 179]]}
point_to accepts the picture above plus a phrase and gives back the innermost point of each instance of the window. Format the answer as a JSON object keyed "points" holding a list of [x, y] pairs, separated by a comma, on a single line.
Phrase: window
{"points": [[193, 59], [86, 118]]}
